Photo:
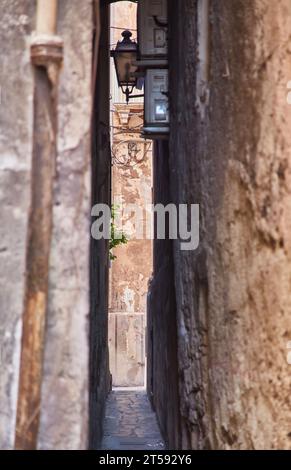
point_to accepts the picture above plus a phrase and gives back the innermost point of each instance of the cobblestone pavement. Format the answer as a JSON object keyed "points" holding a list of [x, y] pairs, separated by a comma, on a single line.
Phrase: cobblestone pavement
{"points": [[130, 423]]}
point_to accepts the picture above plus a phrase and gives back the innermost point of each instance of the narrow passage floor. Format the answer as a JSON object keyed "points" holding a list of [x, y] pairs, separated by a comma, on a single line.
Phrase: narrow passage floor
{"points": [[130, 423]]}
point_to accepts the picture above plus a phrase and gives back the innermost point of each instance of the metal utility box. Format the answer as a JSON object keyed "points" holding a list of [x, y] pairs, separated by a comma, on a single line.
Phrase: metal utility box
{"points": [[156, 105], [152, 20]]}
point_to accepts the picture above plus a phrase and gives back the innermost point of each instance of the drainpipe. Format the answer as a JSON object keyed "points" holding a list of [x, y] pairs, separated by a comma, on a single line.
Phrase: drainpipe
{"points": [[46, 20], [46, 58]]}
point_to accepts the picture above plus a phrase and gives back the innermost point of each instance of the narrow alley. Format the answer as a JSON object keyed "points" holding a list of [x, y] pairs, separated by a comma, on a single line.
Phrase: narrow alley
{"points": [[145, 234], [130, 423]]}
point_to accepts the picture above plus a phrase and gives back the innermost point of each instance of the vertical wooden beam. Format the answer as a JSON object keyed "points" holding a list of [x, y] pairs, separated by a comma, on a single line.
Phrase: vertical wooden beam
{"points": [[46, 55]]}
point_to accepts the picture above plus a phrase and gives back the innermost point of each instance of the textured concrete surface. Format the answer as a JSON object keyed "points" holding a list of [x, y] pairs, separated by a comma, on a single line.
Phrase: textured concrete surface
{"points": [[130, 423], [126, 336], [162, 353], [99, 263], [64, 414], [16, 109], [130, 271], [233, 294]]}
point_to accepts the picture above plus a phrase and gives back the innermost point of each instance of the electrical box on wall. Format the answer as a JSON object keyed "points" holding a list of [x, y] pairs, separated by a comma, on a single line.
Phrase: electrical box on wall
{"points": [[156, 104], [152, 28]]}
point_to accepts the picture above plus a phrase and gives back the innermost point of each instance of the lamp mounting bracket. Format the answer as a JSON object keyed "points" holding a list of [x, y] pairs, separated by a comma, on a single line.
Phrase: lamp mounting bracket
{"points": [[159, 23]]}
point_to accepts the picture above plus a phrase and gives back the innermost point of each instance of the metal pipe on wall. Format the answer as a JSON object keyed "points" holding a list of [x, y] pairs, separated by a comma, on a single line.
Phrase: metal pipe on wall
{"points": [[46, 19], [46, 55]]}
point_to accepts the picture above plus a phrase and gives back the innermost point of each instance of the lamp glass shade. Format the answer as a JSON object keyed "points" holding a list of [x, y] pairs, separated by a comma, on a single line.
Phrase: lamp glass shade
{"points": [[124, 56]]}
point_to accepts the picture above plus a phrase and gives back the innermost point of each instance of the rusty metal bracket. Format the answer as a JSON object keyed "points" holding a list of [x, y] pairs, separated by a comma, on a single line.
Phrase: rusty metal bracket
{"points": [[46, 49]]}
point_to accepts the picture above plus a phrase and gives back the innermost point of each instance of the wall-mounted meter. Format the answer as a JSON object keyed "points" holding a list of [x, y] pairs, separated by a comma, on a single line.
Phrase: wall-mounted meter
{"points": [[156, 104], [152, 19]]}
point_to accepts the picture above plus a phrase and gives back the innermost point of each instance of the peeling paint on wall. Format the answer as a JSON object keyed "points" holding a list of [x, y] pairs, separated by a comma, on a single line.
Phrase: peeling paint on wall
{"points": [[130, 272]]}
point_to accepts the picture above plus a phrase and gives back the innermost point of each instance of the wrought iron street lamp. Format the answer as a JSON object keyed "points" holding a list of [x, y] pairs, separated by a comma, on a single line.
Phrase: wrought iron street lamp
{"points": [[125, 56]]}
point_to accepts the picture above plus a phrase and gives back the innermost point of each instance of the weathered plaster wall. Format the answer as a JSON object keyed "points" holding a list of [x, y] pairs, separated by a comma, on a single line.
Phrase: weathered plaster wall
{"points": [[99, 256], [131, 183], [64, 415], [233, 294], [65, 402], [130, 272], [16, 79], [162, 350]]}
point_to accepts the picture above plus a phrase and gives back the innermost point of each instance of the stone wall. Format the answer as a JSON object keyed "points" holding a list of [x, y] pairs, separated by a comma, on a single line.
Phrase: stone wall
{"points": [[99, 378], [132, 268], [65, 383], [231, 154], [131, 184], [16, 80], [64, 413], [162, 351]]}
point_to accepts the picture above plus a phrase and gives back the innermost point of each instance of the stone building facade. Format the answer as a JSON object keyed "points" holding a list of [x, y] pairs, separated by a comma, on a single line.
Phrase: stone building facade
{"points": [[217, 352], [131, 188], [64, 386], [230, 152], [132, 268]]}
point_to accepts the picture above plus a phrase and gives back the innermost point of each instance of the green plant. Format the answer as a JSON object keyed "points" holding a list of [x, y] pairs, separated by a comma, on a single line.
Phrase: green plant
{"points": [[117, 237]]}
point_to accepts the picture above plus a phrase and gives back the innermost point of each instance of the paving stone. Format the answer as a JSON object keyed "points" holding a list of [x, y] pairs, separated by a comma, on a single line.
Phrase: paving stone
{"points": [[130, 423]]}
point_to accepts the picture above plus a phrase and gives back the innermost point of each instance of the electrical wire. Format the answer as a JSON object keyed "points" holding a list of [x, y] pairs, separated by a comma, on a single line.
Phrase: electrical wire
{"points": [[123, 29]]}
